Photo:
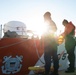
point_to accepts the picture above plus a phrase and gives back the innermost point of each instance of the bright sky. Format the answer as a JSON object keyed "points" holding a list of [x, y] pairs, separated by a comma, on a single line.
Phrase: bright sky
{"points": [[31, 11]]}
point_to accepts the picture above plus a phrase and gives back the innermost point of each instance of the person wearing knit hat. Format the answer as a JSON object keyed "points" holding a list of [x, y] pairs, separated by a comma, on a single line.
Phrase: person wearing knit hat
{"points": [[50, 45]]}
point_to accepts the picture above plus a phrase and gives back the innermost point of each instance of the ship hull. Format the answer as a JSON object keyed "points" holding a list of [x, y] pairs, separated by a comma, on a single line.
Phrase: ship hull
{"points": [[17, 54]]}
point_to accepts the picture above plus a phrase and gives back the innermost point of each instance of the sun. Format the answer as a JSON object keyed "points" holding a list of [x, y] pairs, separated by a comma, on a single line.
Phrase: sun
{"points": [[36, 24]]}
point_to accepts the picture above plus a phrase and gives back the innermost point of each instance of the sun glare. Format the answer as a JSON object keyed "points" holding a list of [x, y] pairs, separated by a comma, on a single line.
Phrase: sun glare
{"points": [[41, 30], [38, 25]]}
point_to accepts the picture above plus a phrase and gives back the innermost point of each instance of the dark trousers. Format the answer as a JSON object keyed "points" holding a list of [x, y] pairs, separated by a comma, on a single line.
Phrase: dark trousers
{"points": [[70, 47], [71, 58], [48, 53]]}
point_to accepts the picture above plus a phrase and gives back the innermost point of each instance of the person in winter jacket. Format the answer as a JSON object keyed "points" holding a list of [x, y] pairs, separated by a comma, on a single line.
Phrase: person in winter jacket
{"points": [[50, 45], [69, 34]]}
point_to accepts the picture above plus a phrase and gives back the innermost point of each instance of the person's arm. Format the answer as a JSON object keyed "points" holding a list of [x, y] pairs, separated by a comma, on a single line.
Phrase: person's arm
{"points": [[53, 25], [68, 29]]}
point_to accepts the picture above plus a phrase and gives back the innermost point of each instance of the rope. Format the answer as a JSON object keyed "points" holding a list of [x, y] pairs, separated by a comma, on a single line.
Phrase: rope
{"points": [[12, 44], [38, 52]]}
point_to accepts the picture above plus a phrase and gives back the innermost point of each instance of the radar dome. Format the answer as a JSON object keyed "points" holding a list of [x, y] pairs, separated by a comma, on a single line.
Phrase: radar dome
{"points": [[16, 26]]}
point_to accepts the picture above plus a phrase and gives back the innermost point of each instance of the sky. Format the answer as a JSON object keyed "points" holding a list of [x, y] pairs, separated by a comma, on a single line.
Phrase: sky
{"points": [[31, 12]]}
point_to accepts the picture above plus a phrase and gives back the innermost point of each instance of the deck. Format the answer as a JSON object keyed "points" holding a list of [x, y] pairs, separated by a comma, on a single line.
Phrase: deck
{"points": [[60, 73]]}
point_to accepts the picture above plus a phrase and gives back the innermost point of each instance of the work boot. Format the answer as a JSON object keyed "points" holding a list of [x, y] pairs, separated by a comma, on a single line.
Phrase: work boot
{"points": [[70, 70]]}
